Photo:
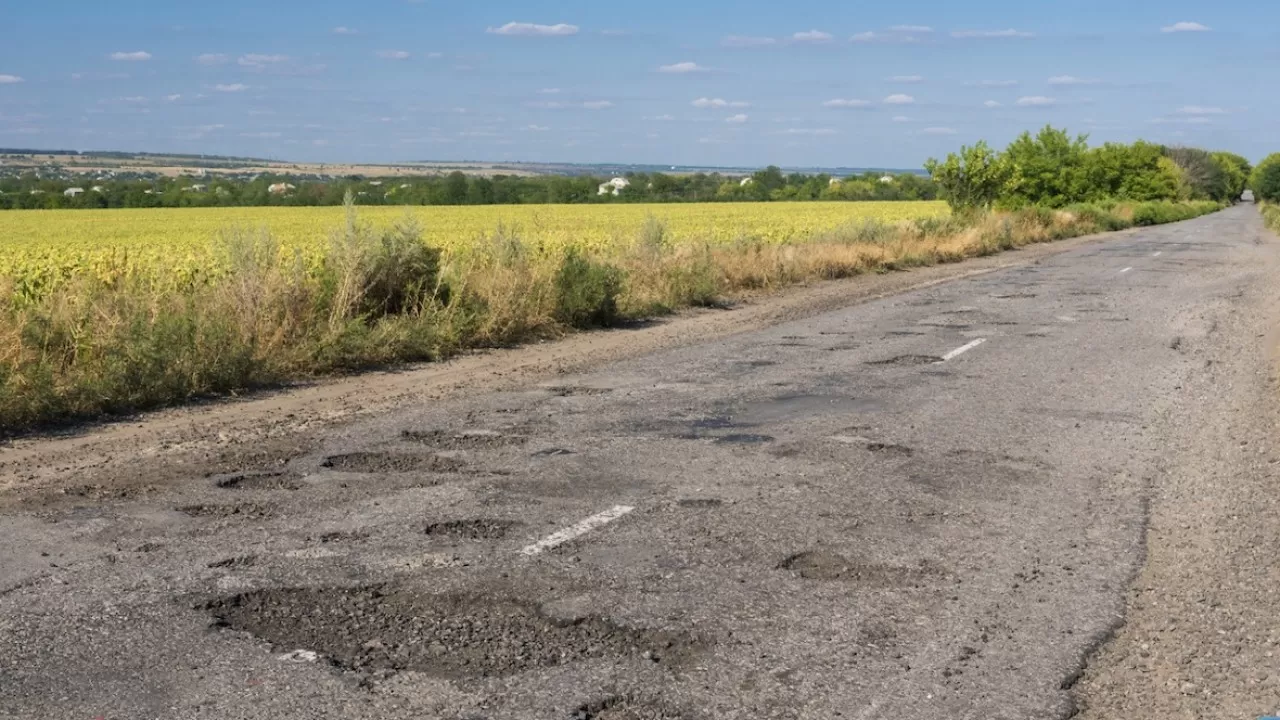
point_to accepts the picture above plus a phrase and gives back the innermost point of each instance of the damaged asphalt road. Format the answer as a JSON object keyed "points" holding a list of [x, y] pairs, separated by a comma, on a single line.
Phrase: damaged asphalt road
{"points": [[927, 505]]}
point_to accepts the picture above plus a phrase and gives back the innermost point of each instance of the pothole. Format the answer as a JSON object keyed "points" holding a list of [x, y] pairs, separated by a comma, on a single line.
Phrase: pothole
{"points": [[259, 481], [1015, 296], [342, 536], [719, 422], [577, 390], [390, 628], [890, 449], [474, 529], [553, 452], [758, 363], [699, 503], [377, 462], [235, 562], [743, 439], [237, 510], [827, 565], [908, 360], [466, 440], [625, 707]]}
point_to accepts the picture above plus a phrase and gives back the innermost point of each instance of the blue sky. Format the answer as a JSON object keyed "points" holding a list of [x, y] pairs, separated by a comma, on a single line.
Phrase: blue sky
{"points": [[713, 82]]}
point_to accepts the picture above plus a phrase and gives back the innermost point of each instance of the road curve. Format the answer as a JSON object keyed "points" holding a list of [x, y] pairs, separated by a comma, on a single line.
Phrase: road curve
{"points": [[933, 504]]}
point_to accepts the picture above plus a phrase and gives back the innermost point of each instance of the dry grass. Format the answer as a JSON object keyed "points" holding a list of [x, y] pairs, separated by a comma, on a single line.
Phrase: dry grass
{"points": [[92, 347]]}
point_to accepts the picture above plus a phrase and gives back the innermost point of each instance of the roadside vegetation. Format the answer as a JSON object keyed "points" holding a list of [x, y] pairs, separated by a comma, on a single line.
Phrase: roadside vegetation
{"points": [[1265, 183], [109, 343]]}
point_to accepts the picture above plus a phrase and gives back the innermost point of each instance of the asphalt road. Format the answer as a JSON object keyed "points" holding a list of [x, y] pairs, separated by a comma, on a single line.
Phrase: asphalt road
{"points": [[930, 505]]}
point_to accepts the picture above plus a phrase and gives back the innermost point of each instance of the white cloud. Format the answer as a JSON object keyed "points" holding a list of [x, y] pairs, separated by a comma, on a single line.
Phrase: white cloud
{"points": [[997, 83], [1200, 110], [210, 128], [938, 131], [991, 104], [719, 103], [665, 118], [736, 119], [844, 103], [743, 41], [899, 99], [537, 128], [815, 132], [866, 37], [232, 87], [681, 68], [1010, 33], [320, 143], [434, 55], [261, 135], [212, 59], [549, 91], [597, 104], [901, 119], [1036, 101], [812, 36], [259, 61], [1065, 80], [1185, 27], [393, 54], [131, 56], [174, 97], [523, 28], [912, 29], [909, 79], [10, 80], [344, 30]]}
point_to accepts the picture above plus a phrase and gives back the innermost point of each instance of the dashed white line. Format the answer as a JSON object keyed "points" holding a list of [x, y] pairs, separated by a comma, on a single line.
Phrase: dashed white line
{"points": [[963, 349], [1125, 270], [577, 530], [1157, 253]]}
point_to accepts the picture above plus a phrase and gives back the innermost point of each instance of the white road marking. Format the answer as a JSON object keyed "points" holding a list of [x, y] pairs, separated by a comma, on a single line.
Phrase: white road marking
{"points": [[1125, 270], [577, 530], [1157, 253], [963, 349]]}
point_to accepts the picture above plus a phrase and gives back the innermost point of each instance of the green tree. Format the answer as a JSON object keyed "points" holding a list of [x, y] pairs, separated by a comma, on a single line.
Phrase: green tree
{"points": [[1048, 169], [1265, 181], [971, 180]]}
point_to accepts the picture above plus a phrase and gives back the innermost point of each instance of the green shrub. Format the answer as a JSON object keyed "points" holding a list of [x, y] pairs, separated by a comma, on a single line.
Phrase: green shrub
{"points": [[587, 292], [1266, 179]]}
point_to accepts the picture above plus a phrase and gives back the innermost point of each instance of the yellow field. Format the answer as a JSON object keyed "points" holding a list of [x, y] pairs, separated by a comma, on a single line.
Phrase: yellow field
{"points": [[56, 244]]}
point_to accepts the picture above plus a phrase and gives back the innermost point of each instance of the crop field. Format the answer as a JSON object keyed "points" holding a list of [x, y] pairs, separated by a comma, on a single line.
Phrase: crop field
{"points": [[61, 243]]}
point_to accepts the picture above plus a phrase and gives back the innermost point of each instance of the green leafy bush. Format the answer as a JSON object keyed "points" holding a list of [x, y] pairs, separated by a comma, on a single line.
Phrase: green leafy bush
{"points": [[587, 291], [1266, 179]]}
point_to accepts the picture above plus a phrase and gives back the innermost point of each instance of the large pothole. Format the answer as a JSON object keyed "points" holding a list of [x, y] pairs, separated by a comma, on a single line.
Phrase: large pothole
{"points": [[395, 628], [380, 462], [472, 529]]}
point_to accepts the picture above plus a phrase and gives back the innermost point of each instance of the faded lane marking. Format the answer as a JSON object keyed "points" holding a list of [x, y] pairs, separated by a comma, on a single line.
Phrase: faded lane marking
{"points": [[1157, 253], [1125, 270], [577, 530], [963, 349]]}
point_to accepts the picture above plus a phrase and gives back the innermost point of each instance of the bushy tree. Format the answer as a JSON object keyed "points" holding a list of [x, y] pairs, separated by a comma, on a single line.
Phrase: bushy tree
{"points": [[1237, 169], [971, 180], [1131, 172], [1208, 180], [1048, 169], [1265, 180]]}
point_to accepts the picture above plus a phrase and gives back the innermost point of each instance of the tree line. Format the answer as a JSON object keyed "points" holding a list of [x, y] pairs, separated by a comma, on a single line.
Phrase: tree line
{"points": [[1053, 169], [30, 191]]}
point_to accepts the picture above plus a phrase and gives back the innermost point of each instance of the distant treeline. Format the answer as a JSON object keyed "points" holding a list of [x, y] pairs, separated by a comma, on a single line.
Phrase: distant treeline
{"points": [[771, 184]]}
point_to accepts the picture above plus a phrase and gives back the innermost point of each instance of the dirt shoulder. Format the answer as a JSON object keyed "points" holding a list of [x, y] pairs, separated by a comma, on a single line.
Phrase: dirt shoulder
{"points": [[289, 416]]}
